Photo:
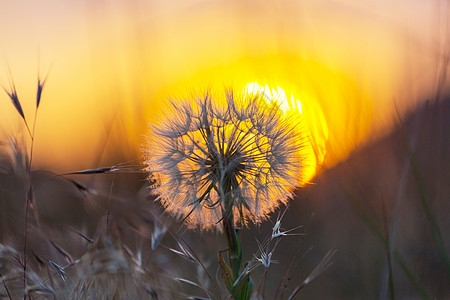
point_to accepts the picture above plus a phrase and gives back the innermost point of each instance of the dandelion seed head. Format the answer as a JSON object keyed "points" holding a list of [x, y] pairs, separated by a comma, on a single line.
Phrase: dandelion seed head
{"points": [[238, 153]]}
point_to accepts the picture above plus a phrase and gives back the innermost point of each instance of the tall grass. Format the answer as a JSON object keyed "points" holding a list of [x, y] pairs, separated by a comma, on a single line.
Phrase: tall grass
{"points": [[12, 94]]}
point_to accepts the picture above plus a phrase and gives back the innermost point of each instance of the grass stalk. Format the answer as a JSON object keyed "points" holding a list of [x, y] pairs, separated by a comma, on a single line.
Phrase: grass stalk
{"points": [[108, 213], [180, 240], [388, 249], [425, 201], [321, 267], [5, 286], [262, 285], [365, 216], [29, 193], [12, 93]]}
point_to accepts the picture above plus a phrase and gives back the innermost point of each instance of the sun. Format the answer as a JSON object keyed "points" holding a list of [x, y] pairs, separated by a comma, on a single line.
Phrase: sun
{"points": [[312, 125]]}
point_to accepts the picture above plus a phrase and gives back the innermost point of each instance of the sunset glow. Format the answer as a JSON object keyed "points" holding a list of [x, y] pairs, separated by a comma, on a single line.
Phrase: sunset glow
{"points": [[311, 125], [113, 64], [224, 149]]}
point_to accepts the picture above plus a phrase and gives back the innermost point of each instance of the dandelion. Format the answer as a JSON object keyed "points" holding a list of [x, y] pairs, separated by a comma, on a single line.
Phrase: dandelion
{"points": [[220, 164], [236, 158]]}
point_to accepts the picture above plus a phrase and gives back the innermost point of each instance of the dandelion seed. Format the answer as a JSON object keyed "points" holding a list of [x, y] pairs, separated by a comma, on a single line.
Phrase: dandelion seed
{"points": [[214, 157]]}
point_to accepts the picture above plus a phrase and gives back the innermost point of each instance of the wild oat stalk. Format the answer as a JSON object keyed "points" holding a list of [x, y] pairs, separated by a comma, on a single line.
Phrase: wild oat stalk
{"points": [[12, 94], [221, 164]]}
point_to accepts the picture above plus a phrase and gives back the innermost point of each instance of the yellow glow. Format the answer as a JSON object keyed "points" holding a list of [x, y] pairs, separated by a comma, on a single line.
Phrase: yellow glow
{"points": [[312, 125], [114, 63], [325, 101]]}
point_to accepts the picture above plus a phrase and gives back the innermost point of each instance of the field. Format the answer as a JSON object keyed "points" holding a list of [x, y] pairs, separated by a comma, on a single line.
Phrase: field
{"points": [[251, 159]]}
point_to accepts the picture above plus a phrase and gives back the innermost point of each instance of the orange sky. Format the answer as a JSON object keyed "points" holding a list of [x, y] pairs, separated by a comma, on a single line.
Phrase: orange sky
{"points": [[113, 62]]}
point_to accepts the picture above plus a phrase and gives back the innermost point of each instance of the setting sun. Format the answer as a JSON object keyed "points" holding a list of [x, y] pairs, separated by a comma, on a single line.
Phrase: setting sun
{"points": [[113, 65], [311, 125]]}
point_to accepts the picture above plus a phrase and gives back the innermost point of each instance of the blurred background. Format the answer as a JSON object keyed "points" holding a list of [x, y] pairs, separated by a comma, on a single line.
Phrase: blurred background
{"points": [[371, 77]]}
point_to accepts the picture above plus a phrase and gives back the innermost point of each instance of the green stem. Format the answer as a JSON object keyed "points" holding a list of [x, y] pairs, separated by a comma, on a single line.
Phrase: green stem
{"points": [[239, 287], [234, 243]]}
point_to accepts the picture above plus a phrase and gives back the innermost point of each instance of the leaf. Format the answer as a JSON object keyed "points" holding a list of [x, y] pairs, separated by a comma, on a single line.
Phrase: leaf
{"points": [[247, 289], [244, 289], [94, 171], [226, 273]]}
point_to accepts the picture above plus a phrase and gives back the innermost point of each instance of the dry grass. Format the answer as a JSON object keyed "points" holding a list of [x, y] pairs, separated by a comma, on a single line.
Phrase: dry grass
{"points": [[106, 271]]}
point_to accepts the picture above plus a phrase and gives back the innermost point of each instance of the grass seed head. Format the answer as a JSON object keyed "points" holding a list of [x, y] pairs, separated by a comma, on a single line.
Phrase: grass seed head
{"points": [[107, 272]]}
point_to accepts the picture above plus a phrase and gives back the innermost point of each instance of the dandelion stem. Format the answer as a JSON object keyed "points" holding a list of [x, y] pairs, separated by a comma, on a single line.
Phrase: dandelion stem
{"points": [[234, 244]]}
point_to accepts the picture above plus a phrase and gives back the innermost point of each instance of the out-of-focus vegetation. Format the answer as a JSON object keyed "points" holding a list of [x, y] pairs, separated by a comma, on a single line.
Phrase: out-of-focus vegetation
{"points": [[384, 210]]}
